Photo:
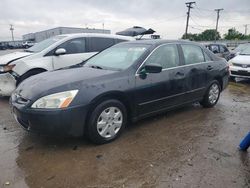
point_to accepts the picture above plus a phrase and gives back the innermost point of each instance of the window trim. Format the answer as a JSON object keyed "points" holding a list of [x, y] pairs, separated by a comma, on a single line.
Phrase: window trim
{"points": [[137, 71], [180, 58], [202, 51], [51, 52]]}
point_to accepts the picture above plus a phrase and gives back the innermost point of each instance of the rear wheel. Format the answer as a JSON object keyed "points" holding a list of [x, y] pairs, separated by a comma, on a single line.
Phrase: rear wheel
{"points": [[107, 121], [212, 95]]}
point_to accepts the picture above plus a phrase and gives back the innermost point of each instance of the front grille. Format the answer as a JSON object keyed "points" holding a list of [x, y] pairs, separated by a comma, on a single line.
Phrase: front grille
{"points": [[241, 65], [240, 73]]}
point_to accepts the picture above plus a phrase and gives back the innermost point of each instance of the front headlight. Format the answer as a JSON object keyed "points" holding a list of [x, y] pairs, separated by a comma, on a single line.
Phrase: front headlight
{"points": [[57, 100], [6, 68]]}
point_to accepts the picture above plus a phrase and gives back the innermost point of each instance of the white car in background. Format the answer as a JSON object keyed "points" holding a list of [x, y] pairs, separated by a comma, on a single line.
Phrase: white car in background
{"points": [[51, 54], [240, 65]]}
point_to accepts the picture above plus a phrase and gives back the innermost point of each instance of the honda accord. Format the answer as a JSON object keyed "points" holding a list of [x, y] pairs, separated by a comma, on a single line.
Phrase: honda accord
{"points": [[124, 83]]}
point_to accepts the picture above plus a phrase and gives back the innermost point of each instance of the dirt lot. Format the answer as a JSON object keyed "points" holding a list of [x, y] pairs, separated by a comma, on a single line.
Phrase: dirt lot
{"points": [[189, 147]]}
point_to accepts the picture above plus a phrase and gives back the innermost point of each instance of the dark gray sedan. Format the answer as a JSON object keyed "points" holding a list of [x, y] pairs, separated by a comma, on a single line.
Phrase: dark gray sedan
{"points": [[128, 81]]}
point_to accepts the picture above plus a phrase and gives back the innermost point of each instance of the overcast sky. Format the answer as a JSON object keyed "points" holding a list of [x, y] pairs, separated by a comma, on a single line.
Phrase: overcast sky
{"points": [[167, 17]]}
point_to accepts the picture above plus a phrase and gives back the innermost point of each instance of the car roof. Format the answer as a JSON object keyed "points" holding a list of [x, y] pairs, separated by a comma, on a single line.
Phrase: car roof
{"points": [[217, 44], [75, 35], [158, 42]]}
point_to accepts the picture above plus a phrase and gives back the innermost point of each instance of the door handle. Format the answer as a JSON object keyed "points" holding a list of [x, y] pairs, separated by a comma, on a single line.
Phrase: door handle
{"points": [[180, 74], [209, 67]]}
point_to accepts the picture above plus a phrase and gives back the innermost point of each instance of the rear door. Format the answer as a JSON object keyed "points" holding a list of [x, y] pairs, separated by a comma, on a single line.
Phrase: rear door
{"points": [[161, 90], [197, 68], [75, 53]]}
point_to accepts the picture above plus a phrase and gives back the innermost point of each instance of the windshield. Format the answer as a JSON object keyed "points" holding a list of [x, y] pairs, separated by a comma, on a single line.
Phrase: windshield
{"points": [[119, 57], [44, 44], [246, 51], [241, 47]]}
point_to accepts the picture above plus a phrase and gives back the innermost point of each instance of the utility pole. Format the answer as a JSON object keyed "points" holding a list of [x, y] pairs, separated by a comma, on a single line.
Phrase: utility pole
{"points": [[217, 21], [189, 6], [12, 30], [246, 29]]}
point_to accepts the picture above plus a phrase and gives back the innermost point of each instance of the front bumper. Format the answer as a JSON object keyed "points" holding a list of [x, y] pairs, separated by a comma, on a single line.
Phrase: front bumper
{"points": [[7, 84], [54, 122], [237, 71]]}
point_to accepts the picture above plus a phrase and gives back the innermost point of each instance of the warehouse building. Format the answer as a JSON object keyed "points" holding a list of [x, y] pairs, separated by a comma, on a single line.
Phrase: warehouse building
{"points": [[42, 35]]}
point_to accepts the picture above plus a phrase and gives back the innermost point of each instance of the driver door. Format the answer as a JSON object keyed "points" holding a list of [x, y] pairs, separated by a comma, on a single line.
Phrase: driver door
{"points": [[75, 53], [158, 91]]}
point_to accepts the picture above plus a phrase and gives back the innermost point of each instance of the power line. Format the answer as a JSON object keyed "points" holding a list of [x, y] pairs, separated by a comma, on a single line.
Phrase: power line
{"points": [[189, 6]]}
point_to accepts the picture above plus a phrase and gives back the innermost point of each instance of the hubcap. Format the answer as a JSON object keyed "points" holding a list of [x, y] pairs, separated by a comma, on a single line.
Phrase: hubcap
{"points": [[109, 122], [214, 93]]}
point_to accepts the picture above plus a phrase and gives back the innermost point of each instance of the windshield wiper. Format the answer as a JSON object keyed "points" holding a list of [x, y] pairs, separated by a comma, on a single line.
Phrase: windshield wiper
{"points": [[95, 67], [28, 51]]}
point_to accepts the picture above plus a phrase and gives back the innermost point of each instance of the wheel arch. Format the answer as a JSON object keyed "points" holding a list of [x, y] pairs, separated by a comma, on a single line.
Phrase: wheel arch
{"points": [[219, 79], [118, 95]]}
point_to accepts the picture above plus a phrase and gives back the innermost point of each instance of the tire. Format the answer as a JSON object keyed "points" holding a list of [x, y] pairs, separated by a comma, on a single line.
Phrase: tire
{"points": [[28, 74], [212, 95], [110, 127]]}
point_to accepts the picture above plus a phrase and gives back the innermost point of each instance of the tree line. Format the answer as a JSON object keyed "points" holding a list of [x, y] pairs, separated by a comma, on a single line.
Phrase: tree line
{"points": [[209, 35]]}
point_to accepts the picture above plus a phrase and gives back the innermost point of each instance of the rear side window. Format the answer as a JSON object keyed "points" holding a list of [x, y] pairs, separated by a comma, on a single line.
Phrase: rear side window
{"points": [[74, 46], [97, 44], [192, 54], [167, 56]]}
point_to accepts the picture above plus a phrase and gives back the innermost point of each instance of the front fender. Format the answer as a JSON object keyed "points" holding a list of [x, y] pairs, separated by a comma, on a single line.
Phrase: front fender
{"points": [[23, 66]]}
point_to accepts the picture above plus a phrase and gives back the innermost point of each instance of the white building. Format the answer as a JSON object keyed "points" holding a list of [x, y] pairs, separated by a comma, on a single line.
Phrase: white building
{"points": [[42, 35]]}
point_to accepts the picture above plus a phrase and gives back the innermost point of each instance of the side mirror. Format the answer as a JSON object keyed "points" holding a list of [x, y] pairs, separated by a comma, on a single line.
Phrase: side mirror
{"points": [[60, 51], [153, 68]]}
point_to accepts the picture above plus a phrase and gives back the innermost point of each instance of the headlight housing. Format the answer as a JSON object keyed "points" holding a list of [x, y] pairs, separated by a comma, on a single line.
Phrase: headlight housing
{"points": [[57, 100], [6, 68]]}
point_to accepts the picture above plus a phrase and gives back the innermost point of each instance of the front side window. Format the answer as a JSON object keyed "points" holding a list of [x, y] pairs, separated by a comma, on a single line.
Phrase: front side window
{"points": [[74, 46], [192, 54], [167, 56], [118, 57]]}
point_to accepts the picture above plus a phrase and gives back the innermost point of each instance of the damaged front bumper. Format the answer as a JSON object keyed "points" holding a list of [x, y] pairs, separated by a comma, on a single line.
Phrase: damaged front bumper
{"points": [[7, 84]]}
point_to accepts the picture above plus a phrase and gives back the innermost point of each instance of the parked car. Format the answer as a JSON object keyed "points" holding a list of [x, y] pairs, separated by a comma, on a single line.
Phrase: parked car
{"points": [[51, 54], [220, 50], [239, 49], [240, 65], [3, 46], [128, 81], [28, 44]]}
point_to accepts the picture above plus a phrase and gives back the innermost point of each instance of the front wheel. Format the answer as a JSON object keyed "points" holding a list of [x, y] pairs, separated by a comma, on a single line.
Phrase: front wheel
{"points": [[107, 121], [212, 95]]}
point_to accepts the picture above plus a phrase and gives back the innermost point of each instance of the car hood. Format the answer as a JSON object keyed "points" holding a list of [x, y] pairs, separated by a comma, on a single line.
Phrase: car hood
{"points": [[242, 59], [58, 81], [5, 59]]}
